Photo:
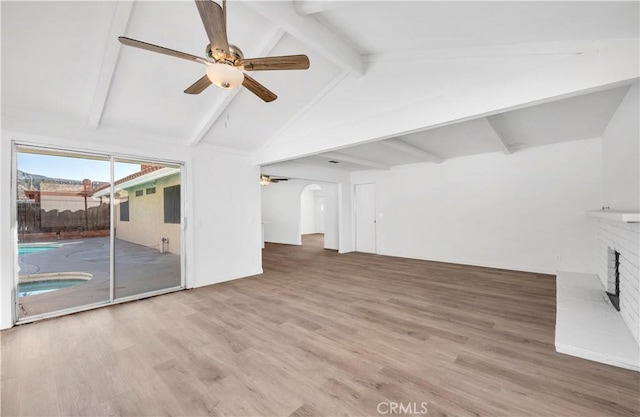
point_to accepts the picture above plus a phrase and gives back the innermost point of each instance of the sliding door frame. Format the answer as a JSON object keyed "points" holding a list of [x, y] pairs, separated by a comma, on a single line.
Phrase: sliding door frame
{"points": [[111, 157]]}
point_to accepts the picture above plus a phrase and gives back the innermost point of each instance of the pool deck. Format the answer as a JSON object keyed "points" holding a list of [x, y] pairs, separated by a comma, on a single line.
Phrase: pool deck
{"points": [[139, 269]]}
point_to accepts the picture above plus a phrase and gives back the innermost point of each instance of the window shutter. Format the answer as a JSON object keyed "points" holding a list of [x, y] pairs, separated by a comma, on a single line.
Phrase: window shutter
{"points": [[124, 211], [172, 204]]}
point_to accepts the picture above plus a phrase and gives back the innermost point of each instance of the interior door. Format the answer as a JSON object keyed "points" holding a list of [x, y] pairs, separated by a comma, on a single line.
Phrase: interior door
{"points": [[365, 203]]}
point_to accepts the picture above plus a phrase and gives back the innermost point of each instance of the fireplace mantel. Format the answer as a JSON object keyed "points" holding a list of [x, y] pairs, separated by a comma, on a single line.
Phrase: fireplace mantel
{"points": [[621, 216]]}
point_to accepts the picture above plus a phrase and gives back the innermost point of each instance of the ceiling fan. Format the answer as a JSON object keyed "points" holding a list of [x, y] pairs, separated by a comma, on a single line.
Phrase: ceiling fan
{"points": [[266, 180], [225, 62]]}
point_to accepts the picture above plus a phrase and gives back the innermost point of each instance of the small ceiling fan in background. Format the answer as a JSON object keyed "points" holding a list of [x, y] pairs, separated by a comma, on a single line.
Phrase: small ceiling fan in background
{"points": [[225, 62], [266, 180]]}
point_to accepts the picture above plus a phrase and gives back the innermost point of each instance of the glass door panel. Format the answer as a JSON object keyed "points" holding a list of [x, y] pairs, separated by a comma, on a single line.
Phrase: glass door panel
{"points": [[147, 211], [63, 224]]}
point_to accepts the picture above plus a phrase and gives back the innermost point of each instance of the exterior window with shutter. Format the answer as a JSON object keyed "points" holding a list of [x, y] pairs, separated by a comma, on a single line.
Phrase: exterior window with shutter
{"points": [[124, 211], [172, 204]]}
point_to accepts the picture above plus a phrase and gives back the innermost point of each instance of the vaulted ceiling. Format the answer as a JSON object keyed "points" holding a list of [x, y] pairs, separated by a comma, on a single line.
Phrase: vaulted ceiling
{"points": [[390, 82], [582, 117]]}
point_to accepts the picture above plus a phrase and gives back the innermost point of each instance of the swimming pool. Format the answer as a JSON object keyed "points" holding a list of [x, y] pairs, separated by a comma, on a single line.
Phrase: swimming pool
{"points": [[26, 248], [35, 284], [35, 288]]}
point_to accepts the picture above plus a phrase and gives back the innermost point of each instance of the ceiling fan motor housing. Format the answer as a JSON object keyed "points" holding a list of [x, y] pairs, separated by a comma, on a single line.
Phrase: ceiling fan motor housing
{"points": [[232, 57]]}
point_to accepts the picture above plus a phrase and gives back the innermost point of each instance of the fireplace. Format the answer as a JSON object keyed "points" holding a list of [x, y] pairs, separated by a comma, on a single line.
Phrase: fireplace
{"points": [[586, 324], [619, 246], [613, 277]]}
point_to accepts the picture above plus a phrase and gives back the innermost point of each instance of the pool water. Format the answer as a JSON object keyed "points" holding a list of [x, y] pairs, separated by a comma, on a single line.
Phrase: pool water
{"points": [[34, 249], [33, 288]]}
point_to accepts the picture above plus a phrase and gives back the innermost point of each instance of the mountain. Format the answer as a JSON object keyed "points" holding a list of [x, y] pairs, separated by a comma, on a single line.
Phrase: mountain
{"points": [[36, 177], [28, 181]]}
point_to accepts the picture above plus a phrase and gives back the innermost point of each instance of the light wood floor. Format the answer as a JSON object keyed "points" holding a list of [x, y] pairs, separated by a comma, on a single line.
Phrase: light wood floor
{"points": [[317, 334]]}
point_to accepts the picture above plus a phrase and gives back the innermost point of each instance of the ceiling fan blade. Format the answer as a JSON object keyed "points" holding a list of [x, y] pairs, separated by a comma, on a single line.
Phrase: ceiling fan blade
{"points": [[213, 19], [160, 49], [258, 89], [289, 62], [199, 86]]}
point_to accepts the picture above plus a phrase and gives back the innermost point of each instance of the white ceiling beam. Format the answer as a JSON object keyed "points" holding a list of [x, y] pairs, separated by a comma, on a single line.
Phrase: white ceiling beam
{"points": [[305, 171], [607, 64], [109, 61], [227, 96], [403, 146], [335, 156], [312, 7], [497, 137], [542, 48], [311, 32]]}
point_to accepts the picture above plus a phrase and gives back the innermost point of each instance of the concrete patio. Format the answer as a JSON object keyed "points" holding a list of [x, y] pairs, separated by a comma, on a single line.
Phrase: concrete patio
{"points": [[139, 269]]}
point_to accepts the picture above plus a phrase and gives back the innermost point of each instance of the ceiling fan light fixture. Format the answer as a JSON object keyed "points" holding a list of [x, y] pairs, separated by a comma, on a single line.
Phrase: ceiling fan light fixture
{"points": [[265, 180], [225, 75]]}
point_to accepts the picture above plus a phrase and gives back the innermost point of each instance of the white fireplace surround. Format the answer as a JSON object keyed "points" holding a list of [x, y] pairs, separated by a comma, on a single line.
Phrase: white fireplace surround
{"points": [[587, 324], [622, 237]]}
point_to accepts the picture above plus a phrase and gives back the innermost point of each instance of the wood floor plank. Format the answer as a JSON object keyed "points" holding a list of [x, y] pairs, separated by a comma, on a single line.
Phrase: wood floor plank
{"points": [[38, 394], [9, 400], [318, 334], [188, 393]]}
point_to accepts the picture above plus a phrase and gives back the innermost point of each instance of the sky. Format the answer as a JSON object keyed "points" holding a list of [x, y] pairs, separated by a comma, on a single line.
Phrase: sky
{"points": [[73, 168]]}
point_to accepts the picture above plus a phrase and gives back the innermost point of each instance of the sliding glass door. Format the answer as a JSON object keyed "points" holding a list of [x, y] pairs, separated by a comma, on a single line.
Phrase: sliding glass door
{"points": [[63, 232], [93, 229], [147, 227]]}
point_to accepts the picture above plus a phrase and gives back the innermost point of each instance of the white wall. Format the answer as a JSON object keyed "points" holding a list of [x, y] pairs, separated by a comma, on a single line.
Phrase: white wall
{"points": [[621, 155], [319, 211], [332, 227], [222, 198], [524, 211], [6, 235], [281, 212], [227, 218], [145, 225], [308, 213], [341, 200], [621, 191]]}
